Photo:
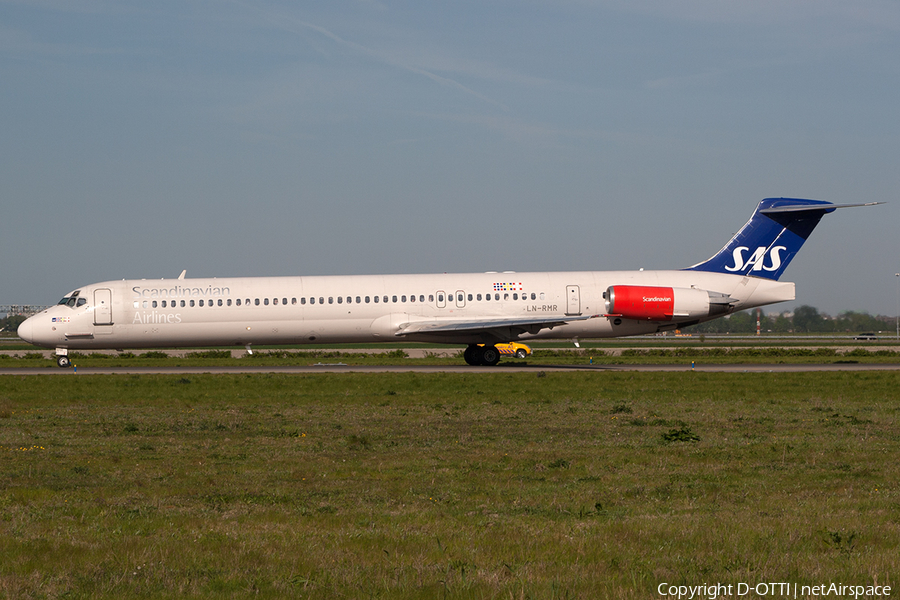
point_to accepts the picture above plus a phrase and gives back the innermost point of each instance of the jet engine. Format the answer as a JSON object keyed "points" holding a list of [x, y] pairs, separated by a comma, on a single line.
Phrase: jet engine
{"points": [[652, 303]]}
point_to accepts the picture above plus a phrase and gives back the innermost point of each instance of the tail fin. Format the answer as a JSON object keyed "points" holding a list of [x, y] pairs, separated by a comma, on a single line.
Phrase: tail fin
{"points": [[765, 246]]}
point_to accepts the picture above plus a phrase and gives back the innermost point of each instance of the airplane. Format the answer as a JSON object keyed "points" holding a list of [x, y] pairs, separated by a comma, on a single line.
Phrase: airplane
{"points": [[477, 310]]}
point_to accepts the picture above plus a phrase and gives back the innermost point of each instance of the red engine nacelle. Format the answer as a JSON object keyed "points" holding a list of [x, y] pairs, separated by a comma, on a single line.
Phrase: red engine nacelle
{"points": [[652, 303]]}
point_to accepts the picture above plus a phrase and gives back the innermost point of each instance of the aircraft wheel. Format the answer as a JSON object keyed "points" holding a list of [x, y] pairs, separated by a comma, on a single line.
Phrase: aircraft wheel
{"points": [[490, 356], [520, 353], [63, 361], [471, 355]]}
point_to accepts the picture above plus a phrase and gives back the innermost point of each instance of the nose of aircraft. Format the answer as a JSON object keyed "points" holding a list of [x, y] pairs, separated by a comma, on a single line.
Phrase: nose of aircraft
{"points": [[26, 329]]}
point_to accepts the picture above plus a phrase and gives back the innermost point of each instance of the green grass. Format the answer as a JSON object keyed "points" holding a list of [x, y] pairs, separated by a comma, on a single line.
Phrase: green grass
{"points": [[398, 356], [520, 485]]}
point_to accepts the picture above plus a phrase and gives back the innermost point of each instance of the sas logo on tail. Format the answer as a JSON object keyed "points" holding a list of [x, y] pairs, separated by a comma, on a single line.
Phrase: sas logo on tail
{"points": [[757, 259]]}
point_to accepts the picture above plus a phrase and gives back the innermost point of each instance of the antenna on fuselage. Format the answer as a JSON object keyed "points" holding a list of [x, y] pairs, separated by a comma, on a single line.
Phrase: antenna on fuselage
{"points": [[183, 273]]}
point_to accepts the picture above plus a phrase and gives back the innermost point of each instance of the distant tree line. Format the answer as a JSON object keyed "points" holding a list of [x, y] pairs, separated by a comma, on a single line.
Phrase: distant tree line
{"points": [[11, 322], [806, 319]]}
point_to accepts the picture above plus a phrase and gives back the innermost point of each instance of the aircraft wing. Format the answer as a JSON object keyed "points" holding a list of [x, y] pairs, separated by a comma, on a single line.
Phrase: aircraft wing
{"points": [[503, 329]]}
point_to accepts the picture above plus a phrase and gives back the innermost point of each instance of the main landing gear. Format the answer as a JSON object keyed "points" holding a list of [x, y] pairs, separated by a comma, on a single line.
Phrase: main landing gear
{"points": [[486, 355], [63, 361]]}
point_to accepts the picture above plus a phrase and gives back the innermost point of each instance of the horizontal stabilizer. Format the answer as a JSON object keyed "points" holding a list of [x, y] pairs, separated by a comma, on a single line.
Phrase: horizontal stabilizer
{"points": [[807, 207]]}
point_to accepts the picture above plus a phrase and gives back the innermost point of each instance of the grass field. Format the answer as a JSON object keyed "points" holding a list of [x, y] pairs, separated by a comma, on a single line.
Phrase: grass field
{"points": [[398, 356], [556, 485]]}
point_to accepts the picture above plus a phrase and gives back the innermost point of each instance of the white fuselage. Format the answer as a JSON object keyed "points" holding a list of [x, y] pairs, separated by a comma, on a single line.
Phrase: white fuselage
{"points": [[365, 308]]}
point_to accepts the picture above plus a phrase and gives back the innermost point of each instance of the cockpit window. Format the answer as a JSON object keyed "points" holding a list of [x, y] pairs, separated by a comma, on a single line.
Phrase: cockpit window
{"points": [[73, 300]]}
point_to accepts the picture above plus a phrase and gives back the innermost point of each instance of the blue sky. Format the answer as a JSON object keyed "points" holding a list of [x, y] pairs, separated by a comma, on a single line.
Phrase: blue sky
{"points": [[277, 138]]}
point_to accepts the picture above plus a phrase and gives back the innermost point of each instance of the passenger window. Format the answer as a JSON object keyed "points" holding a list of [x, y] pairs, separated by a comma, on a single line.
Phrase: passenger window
{"points": [[238, 301], [182, 303], [487, 297], [402, 299], [228, 302], [293, 301], [422, 298], [284, 301], [431, 297], [542, 295], [201, 303], [470, 297], [376, 300], [394, 298], [496, 296], [340, 300], [192, 303], [321, 300], [312, 300], [385, 299], [330, 300], [256, 301], [153, 304], [533, 296], [515, 296], [303, 300], [506, 296], [265, 301], [275, 301], [357, 299], [440, 297], [219, 302], [367, 299]]}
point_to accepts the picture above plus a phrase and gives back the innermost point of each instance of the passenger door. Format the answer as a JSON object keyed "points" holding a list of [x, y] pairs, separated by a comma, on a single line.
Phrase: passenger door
{"points": [[573, 300], [103, 307]]}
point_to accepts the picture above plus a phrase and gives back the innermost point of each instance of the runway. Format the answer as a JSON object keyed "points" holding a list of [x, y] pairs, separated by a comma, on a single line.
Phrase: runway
{"points": [[510, 368]]}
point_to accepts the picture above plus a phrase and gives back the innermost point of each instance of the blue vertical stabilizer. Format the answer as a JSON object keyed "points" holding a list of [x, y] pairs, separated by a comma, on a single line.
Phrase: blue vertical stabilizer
{"points": [[765, 246]]}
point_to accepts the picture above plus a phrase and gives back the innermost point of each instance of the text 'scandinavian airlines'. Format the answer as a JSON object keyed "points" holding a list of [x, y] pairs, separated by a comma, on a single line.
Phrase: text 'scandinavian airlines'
{"points": [[478, 310]]}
